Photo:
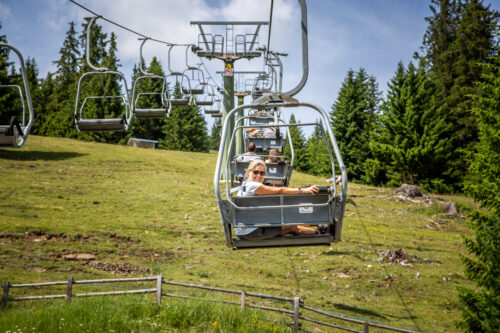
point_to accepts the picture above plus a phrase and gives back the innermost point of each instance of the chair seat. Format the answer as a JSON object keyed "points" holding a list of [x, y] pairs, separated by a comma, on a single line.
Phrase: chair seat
{"points": [[195, 91], [179, 101], [204, 103], [213, 111], [111, 124], [150, 113]]}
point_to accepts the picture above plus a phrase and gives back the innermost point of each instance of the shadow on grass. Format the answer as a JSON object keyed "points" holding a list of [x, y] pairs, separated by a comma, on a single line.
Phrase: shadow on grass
{"points": [[33, 155], [355, 309]]}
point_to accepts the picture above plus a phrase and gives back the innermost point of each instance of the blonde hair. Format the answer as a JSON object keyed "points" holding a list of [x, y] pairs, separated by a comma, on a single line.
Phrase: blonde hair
{"points": [[252, 165]]}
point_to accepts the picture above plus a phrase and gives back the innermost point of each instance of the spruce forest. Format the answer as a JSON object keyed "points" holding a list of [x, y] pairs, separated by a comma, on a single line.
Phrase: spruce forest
{"points": [[437, 127]]}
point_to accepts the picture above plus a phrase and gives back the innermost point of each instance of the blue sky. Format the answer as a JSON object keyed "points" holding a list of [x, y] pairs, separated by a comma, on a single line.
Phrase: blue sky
{"points": [[343, 34]]}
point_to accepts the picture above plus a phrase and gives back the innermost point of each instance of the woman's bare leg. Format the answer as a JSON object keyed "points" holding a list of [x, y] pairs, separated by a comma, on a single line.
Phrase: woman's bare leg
{"points": [[297, 230]]}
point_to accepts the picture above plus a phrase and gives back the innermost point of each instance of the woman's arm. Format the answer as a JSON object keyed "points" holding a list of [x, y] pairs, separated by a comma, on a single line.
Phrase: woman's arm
{"points": [[264, 189]]}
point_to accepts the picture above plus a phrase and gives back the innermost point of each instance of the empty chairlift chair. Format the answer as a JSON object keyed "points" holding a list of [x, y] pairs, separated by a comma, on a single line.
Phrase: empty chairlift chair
{"points": [[140, 93], [177, 79], [280, 210], [99, 105], [215, 111], [17, 129], [196, 78], [208, 98]]}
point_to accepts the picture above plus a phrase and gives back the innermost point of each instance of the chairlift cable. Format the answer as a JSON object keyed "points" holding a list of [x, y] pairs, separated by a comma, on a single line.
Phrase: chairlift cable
{"points": [[125, 28], [208, 72]]}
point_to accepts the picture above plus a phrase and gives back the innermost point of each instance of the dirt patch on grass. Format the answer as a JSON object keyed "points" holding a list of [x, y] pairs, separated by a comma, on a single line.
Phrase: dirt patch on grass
{"points": [[117, 268]]}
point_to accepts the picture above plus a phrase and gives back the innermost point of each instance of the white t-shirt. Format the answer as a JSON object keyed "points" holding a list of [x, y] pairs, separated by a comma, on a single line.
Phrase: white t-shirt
{"points": [[248, 157], [247, 190]]}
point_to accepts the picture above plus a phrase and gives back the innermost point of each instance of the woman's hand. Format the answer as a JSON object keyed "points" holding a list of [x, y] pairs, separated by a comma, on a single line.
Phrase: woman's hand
{"points": [[313, 189]]}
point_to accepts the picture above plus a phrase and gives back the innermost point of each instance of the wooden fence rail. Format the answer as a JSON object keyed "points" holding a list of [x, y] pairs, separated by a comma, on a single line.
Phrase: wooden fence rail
{"points": [[295, 302]]}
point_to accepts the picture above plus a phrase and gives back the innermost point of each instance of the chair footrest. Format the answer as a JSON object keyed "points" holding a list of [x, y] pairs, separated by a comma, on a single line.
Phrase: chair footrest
{"points": [[285, 241]]}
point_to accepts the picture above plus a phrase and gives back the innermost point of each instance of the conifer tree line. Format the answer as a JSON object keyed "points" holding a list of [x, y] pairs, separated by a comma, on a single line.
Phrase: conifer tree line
{"points": [[423, 131], [54, 96]]}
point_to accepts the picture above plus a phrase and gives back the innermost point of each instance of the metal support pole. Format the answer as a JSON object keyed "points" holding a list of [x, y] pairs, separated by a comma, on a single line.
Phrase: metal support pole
{"points": [[5, 296], [240, 142], [296, 314], [243, 300], [228, 105], [159, 280], [69, 289]]}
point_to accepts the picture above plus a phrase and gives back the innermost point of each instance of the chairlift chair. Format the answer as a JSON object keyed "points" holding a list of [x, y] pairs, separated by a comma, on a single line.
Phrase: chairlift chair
{"points": [[137, 96], [16, 132], [216, 109], [195, 75], [280, 210], [177, 78], [84, 124], [259, 122], [208, 99]]}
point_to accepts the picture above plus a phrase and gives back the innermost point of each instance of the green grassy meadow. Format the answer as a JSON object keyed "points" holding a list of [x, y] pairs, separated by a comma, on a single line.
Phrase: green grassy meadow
{"points": [[144, 212]]}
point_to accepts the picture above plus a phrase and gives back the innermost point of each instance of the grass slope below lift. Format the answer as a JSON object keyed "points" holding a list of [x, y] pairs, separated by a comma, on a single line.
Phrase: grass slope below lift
{"points": [[145, 212]]}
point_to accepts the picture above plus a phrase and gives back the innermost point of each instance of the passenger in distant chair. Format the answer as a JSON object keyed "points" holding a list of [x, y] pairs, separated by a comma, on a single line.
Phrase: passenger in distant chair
{"points": [[270, 132], [273, 157], [252, 186], [250, 155]]}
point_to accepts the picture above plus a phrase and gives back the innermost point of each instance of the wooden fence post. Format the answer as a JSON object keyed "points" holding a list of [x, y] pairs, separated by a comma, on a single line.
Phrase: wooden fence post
{"points": [[366, 328], [296, 314], [243, 294], [69, 289], [159, 281], [5, 296]]}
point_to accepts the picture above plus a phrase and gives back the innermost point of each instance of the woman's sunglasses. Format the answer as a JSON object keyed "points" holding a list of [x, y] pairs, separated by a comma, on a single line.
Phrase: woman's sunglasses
{"points": [[257, 172]]}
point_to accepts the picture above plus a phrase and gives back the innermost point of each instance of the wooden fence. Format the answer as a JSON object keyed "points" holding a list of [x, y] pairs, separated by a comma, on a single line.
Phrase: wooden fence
{"points": [[296, 302]]}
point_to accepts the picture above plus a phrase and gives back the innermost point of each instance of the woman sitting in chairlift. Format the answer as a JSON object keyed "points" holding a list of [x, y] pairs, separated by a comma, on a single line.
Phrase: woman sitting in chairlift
{"points": [[252, 185]]}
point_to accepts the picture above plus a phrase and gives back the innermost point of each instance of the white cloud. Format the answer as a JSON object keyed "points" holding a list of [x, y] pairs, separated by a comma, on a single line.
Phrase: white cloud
{"points": [[5, 12]]}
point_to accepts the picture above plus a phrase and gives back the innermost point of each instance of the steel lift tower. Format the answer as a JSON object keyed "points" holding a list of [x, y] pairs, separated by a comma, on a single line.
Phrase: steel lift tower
{"points": [[229, 48]]}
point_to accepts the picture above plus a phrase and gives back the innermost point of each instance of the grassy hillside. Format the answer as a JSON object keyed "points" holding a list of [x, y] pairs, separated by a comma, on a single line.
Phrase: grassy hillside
{"points": [[144, 212]]}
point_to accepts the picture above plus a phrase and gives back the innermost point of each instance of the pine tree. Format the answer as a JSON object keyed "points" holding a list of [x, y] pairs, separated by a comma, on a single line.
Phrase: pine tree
{"points": [[215, 134], [482, 304], [352, 117], [41, 104], [59, 105], [316, 152], [458, 37], [185, 128], [411, 139], [299, 146]]}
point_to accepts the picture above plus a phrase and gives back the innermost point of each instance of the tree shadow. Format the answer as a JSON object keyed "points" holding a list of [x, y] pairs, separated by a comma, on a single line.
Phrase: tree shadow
{"points": [[360, 311], [33, 155]]}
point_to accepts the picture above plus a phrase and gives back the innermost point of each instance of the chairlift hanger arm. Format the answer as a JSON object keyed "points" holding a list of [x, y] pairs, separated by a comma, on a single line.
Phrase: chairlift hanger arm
{"points": [[305, 52]]}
